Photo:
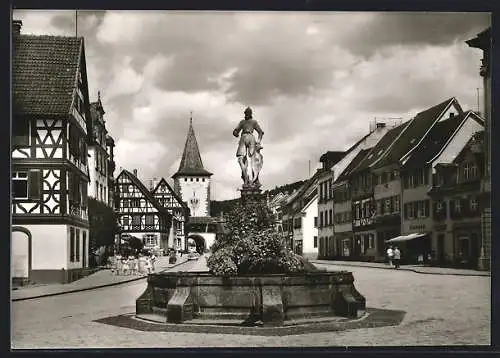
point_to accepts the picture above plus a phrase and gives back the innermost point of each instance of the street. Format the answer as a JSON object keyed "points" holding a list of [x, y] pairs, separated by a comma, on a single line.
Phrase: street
{"points": [[441, 310]]}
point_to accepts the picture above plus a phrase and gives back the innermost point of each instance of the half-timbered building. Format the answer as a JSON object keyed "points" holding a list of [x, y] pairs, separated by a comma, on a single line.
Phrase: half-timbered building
{"points": [[167, 197], [50, 109], [139, 213]]}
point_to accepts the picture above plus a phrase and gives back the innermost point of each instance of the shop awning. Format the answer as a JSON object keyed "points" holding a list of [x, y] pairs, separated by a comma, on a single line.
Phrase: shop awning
{"points": [[405, 237]]}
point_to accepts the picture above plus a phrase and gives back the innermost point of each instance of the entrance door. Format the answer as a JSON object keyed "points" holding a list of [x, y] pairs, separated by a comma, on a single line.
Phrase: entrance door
{"points": [[440, 248], [20, 255]]}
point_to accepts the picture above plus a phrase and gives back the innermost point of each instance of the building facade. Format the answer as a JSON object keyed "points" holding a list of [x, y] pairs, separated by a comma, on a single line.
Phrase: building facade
{"points": [[49, 158], [140, 215], [457, 206], [167, 198], [483, 42]]}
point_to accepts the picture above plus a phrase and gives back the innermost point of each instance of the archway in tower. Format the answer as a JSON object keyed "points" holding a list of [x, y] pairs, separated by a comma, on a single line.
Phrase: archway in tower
{"points": [[197, 243]]}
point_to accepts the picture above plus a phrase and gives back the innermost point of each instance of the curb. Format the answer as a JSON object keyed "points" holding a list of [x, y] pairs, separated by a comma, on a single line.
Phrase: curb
{"points": [[90, 288], [401, 269]]}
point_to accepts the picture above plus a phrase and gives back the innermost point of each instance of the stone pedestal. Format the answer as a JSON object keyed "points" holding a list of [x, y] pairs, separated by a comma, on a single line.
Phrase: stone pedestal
{"points": [[250, 193]]}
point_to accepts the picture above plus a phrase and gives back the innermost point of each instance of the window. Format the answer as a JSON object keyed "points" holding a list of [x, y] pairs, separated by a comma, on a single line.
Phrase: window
{"points": [[125, 221], [20, 185], [77, 245], [411, 181], [379, 207], [185, 179], [330, 217], [197, 179], [150, 240], [371, 242], [136, 220], [470, 171], [125, 203], [458, 206], [473, 204], [134, 203], [315, 242], [20, 132], [387, 206], [72, 244], [190, 179], [396, 204], [315, 221], [321, 219], [150, 219]]}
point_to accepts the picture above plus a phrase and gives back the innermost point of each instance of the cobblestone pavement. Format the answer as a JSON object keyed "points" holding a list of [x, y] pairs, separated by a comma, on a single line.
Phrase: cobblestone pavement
{"points": [[441, 310]]}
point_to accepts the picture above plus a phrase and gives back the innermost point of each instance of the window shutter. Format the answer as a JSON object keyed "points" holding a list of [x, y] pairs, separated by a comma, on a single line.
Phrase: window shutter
{"points": [[70, 185], [84, 193], [35, 184], [426, 209], [405, 211]]}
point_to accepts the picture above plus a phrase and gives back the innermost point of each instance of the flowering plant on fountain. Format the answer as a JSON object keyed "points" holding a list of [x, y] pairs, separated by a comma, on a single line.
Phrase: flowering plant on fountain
{"points": [[252, 245]]}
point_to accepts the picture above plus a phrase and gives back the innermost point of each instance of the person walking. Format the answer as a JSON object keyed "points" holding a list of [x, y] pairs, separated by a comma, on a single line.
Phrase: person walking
{"points": [[397, 258], [390, 255], [153, 259]]}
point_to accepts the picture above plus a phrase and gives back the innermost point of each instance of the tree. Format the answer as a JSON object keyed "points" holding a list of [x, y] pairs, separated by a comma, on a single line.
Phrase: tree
{"points": [[102, 224]]}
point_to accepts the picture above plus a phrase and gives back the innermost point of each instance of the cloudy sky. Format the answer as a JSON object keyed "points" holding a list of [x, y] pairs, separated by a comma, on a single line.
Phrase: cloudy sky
{"points": [[314, 80]]}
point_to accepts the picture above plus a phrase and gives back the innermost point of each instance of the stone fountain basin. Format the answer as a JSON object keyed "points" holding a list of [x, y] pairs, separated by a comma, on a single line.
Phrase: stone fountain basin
{"points": [[270, 299]]}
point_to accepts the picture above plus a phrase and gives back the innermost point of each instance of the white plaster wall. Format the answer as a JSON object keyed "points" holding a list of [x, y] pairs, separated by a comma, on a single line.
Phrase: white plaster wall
{"points": [[201, 188], [50, 246], [308, 229], [94, 175], [458, 142]]}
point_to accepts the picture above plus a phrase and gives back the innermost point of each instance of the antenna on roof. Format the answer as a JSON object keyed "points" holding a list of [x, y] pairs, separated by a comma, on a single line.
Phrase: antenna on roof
{"points": [[76, 23], [477, 89]]}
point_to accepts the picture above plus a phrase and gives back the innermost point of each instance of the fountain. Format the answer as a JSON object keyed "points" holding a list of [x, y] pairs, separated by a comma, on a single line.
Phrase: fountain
{"points": [[253, 278]]}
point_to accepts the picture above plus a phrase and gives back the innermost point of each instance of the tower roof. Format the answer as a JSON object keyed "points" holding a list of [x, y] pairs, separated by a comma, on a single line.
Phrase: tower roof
{"points": [[191, 163]]}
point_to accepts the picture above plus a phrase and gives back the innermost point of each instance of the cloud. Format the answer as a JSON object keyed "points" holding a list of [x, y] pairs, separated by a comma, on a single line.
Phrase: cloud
{"points": [[316, 81]]}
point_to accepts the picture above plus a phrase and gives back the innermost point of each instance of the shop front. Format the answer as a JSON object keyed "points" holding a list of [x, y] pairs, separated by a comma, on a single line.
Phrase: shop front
{"points": [[415, 248]]}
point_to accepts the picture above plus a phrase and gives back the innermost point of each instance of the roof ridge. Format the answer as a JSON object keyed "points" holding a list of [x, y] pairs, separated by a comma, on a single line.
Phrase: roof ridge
{"points": [[145, 191]]}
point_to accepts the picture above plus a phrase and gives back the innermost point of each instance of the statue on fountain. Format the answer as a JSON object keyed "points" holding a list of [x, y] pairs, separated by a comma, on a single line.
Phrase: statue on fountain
{"points": [[249, 148]]}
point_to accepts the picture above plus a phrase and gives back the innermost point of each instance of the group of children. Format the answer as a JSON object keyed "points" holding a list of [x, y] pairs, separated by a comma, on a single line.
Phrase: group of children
{"points": [[133, 265]]}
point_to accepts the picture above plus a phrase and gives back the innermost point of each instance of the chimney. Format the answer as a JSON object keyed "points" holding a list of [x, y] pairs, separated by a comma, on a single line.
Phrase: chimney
{"points": [[16, 27], [381, 125], [135, 172]]}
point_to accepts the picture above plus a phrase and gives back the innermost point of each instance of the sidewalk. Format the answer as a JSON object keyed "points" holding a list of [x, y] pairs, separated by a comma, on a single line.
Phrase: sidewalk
{"points": [[102, 278], [414, 268]]}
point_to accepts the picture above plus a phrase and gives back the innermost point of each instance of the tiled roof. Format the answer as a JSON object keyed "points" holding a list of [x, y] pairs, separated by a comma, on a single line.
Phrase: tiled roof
{"points": [[174, 194], [353, 164], [191, 163], [435, 140], [413, 133], [477, 137], [44, 72], [379, 149], [203, 220], [145, 192]]}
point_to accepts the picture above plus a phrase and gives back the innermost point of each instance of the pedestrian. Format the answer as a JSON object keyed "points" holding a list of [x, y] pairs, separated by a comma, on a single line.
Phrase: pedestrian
{"points": [[390, 255], [397, 258], [125, 266], [153, 259], [118, 263], [147, 265], [136, 265]]}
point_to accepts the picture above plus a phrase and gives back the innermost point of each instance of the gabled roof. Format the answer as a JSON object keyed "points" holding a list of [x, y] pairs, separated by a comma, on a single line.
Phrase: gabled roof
{"points": [[353, 164], [174, 194], [414, 132], [435, 140], [303, 189], [144, 191], [477, 137], [44, 73], [191, 163], [378, 150]]}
